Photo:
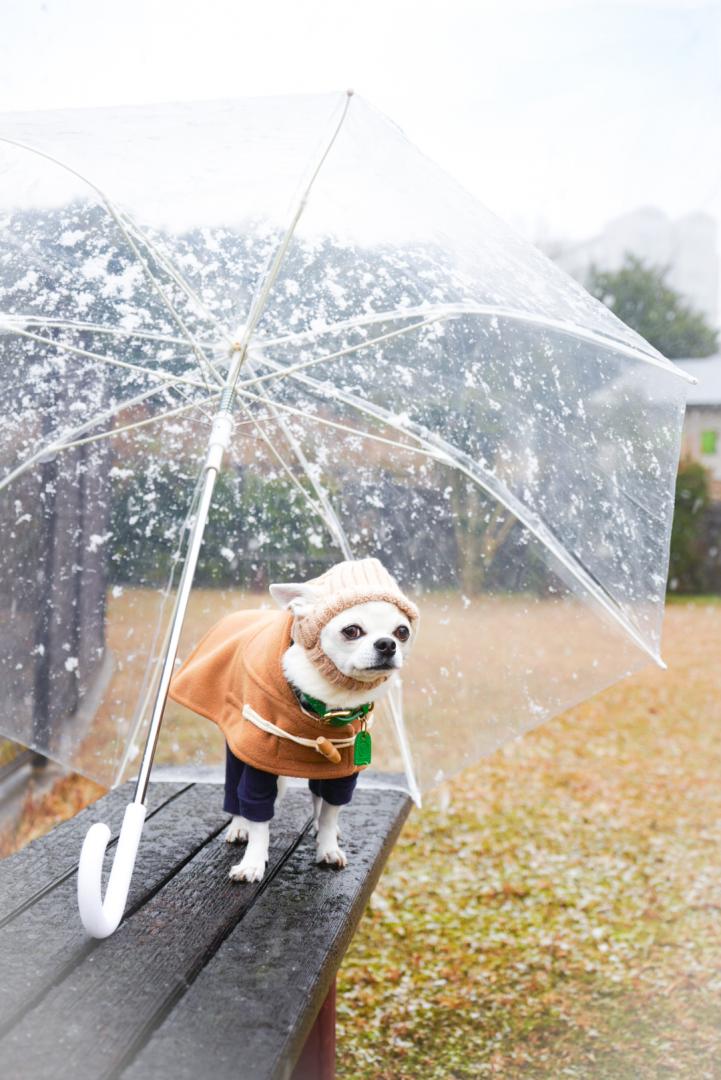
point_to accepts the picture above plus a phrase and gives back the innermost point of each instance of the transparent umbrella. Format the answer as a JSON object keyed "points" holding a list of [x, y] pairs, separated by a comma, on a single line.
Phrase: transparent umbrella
{"points": [[278, 317]]}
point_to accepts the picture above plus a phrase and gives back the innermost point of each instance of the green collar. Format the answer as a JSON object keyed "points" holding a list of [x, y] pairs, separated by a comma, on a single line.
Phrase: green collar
{"points": [[334, 717]]}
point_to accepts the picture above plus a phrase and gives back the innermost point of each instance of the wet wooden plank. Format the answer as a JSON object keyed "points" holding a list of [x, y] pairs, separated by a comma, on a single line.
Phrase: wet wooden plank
{"points": [[96, 1016], [43, 943], [249, 1011], [40, 866]]}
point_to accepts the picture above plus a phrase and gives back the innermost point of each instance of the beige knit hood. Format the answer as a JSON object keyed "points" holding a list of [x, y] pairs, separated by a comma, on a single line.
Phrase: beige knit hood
{"points": [[343, 586]]}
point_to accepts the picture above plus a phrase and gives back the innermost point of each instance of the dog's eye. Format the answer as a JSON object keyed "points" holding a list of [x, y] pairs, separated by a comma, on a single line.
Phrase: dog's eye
{"points": [[402, 633], [352, 632]]}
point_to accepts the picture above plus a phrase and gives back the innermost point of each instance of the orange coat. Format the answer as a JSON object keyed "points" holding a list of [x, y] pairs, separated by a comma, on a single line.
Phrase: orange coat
{"points": [[238, 662]]}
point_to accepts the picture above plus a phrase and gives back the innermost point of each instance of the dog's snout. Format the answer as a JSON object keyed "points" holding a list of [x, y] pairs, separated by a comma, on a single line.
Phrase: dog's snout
{"points": [[386, 646]]}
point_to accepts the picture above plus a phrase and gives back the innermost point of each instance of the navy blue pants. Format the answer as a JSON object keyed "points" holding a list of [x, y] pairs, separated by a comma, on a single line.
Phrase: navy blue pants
{"points": [[251, 792]]}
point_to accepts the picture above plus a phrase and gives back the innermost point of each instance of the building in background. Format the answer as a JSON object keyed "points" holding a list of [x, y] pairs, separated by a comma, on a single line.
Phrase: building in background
{"points": [[688, 246], [702, 428]]}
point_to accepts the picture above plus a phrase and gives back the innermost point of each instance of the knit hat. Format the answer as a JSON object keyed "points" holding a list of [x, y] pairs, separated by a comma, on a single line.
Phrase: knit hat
{"points": [[341, 587]]}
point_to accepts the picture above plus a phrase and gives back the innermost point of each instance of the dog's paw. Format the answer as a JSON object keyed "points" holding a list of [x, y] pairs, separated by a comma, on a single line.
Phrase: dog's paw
{"points": [[331, 855], [237, 832], [247, 870]]}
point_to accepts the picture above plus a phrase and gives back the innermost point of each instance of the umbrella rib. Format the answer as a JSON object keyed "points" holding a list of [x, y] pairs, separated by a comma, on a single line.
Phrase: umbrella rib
{"points": [[177, 277], [141, 423], [344, 544], [277, 261], [329, 515], [331, 519], [52, 447], [138, 423], [283, 464], [90, 328], [436, 446], [282, 373], [291, 410], [451, 311], [117, 218], [111, 360], [203, 360]]}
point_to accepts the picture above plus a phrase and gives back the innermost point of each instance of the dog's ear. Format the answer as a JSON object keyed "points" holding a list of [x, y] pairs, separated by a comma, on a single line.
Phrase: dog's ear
{"points": [[296, 596]]}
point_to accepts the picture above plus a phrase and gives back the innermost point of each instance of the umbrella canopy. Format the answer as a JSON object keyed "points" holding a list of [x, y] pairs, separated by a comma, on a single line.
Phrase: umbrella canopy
{"points": [[414, 382]]}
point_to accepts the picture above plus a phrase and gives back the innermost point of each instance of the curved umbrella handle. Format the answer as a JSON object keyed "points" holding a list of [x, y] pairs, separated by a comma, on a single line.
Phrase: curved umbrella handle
{"points": [[102, 917]]}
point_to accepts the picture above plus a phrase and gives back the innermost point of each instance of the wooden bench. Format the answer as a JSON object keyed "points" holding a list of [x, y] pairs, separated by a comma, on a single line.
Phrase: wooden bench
{"points": [[205, 977]]}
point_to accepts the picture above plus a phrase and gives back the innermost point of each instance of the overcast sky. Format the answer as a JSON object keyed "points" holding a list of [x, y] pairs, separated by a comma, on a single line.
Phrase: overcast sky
{"points": [[558, 116]]}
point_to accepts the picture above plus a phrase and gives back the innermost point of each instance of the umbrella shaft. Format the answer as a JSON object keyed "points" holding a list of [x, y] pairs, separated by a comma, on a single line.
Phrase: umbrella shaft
{"points": [[237, 358], [195, 540]]}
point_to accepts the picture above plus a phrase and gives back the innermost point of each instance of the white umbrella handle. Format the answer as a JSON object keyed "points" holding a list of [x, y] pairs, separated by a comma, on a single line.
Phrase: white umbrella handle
{"points": [[102, 917]]}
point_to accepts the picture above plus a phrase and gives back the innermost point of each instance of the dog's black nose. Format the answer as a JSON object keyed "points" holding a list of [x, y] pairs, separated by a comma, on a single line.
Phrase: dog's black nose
{"points": [[386, 646]]}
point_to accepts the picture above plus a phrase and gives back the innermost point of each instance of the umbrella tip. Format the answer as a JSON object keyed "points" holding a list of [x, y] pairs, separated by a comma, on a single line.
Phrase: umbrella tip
{"points": [[661, 663], [350, 92]]}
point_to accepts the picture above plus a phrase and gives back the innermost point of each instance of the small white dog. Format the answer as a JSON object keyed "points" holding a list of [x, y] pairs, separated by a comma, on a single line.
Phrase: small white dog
{"points": [[292, 689], [351, 663]]}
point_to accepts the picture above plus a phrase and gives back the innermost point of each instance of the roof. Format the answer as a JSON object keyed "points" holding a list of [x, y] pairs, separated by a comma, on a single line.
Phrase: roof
{"points": [[707, 390]]}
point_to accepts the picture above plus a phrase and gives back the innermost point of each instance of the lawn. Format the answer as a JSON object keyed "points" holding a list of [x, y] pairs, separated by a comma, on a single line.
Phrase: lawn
{"points": [[556, 912]]}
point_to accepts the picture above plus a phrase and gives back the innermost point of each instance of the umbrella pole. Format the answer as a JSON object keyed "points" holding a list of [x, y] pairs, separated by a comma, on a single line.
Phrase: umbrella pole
{"points": [[219, 439], [99, 916], [218, 443]]}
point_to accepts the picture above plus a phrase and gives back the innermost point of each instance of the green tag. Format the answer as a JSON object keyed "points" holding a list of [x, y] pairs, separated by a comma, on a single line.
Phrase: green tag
{"points": [[362, 748]]}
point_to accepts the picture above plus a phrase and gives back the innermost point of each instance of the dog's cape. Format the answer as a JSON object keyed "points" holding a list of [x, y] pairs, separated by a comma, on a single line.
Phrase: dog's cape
{"points": [[239, 662]]}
